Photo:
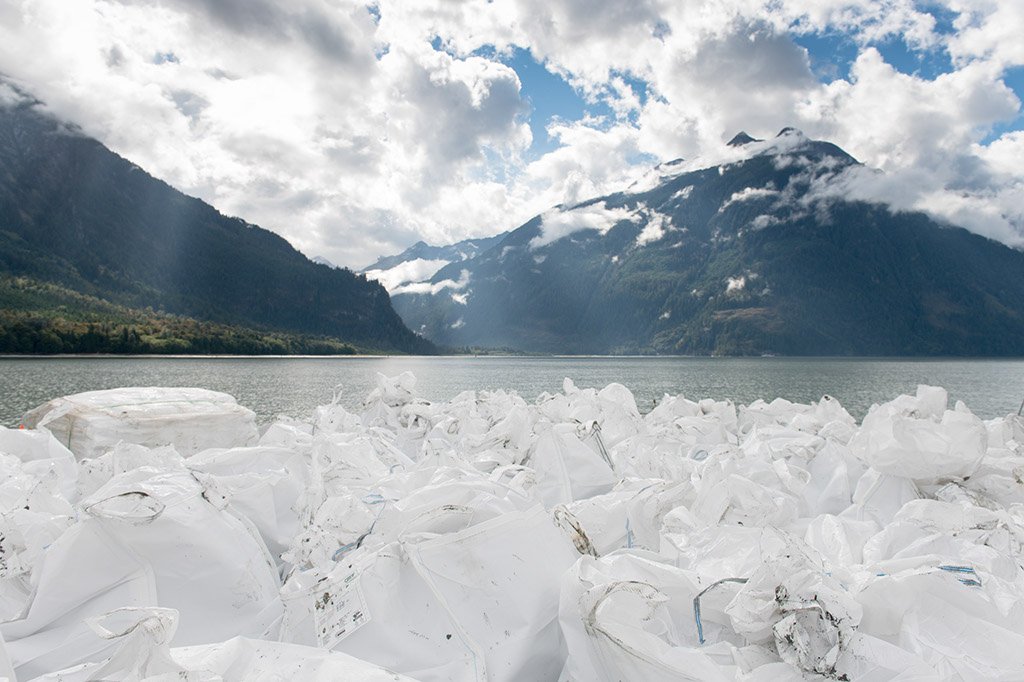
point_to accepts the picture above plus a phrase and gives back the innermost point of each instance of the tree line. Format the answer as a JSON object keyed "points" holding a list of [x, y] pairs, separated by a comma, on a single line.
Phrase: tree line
{"points": [[33, 333]]}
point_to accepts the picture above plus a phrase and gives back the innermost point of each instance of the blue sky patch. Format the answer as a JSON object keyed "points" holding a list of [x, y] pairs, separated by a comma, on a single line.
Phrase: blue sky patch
{"points": [[831, 54], [1014, 79], [549, 96], [926, 64]]}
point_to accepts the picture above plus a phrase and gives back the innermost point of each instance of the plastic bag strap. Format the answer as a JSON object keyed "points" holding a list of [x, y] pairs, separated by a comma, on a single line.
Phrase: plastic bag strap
{"points": [[146, 509], [696, 602]]}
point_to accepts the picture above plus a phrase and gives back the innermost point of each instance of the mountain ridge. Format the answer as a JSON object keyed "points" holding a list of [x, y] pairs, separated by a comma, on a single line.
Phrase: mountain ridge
{"points": [[77, 215], [744, 258]]}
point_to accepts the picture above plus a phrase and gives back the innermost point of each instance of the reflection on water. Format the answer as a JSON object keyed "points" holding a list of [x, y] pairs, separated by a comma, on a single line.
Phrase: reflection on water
{"points": [[293, 386]]}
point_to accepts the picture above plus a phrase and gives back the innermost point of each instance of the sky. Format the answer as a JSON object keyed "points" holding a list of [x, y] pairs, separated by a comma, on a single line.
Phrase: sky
{"points": [[355, 130]]}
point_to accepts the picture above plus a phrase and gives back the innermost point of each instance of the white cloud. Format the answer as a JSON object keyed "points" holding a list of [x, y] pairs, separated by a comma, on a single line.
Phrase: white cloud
{"points": [[749, 194], [347, 132], [654, 230], [434, 288], [415, 270], [9, 96], [988, 29], [558, 223], [283, 114], [735, 284]]}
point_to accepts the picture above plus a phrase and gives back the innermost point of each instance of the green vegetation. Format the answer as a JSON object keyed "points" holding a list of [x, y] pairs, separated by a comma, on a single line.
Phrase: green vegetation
{"points": [[41, 318]]}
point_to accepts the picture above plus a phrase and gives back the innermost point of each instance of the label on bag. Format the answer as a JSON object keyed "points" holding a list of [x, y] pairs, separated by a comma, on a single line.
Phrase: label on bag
{"points": [[339, 610]]}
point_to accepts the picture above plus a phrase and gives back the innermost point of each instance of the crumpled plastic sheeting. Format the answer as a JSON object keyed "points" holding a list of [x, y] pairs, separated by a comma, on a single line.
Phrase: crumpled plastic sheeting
{"points": [[143, 654], [489, 538]]}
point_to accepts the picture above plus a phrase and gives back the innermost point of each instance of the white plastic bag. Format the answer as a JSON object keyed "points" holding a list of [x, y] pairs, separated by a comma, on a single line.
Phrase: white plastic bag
{"points": [[567, 469], [264, 484], [793, 601], [146, 539], [42, 456], [33, 514], [910, 437], [629, 617], [477, 603], [143, 654], [190, 419]]}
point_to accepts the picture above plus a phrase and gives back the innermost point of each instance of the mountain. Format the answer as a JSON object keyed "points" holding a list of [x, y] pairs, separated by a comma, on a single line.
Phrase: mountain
{"points": [[452, 253], [78, 216], [411, 269], [320, 260], [755, 256]]}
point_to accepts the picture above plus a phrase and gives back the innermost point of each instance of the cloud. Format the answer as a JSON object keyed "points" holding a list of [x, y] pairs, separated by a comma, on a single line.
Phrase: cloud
{"points": [[925, 136], [989, 31], [9, 96], [292, 116], [355, 131], [654, 230], [749, 194], [415, 270], [560, 223], [735, 284], [434, 288]]}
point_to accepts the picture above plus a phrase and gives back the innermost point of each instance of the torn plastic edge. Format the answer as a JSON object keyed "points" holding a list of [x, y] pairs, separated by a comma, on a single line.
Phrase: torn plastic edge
{"points": [[696, 603]]}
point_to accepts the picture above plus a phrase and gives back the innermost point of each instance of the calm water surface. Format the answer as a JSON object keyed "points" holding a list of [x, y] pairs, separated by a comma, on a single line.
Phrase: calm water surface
{"points": [[294, 386]]}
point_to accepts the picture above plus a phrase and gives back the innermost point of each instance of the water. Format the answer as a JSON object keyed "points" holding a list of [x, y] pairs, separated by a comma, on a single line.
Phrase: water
{"points": [[294, 386]]}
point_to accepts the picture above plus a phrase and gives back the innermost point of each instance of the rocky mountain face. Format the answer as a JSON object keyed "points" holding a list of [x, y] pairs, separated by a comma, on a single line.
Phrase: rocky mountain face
{"points": [[759, 255], [75, 214]]}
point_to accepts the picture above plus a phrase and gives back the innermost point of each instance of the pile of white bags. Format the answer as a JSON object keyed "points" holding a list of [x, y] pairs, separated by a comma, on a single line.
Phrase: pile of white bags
{"points": [[146, 538], [490, 539]]}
